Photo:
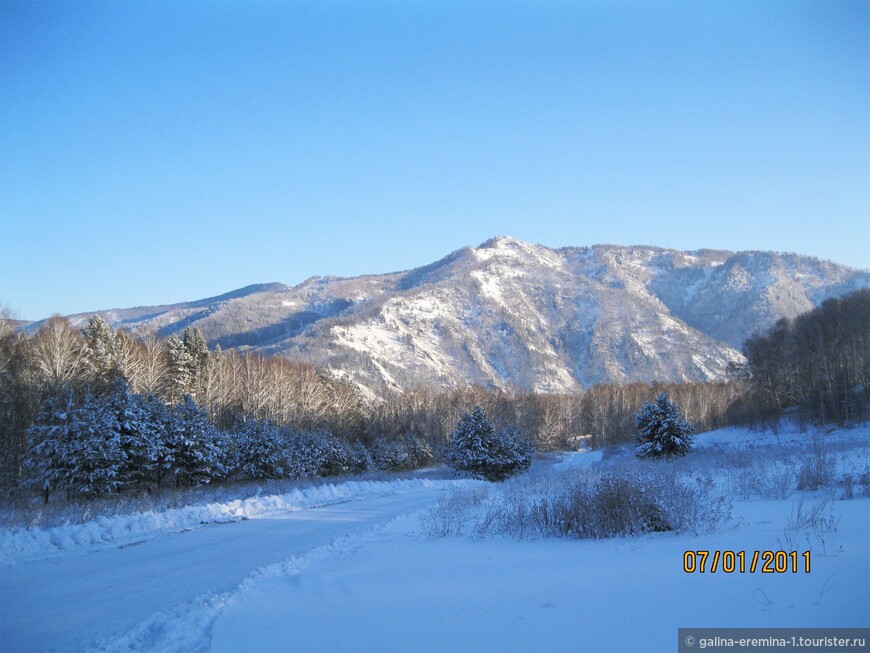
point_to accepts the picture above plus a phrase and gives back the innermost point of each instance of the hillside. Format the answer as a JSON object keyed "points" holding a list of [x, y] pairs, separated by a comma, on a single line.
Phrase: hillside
{"points": [[513, 314]]}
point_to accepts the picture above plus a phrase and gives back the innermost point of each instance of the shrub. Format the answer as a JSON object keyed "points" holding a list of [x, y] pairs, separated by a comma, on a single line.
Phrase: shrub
{"points": [[608, 505], [818, 470], [449, 516]]}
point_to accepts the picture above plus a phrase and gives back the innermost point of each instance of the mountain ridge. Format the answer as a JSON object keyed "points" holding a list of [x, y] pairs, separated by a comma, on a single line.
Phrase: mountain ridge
{"points": [[518, 315]]}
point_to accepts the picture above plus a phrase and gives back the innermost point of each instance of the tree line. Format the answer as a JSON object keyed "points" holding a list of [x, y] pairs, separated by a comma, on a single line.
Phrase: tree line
{"points": [[69, 381], [817, 363], [255, 417]]}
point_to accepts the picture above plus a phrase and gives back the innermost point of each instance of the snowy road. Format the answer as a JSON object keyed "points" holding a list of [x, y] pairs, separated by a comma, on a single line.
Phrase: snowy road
{"points": [[62, 603]]}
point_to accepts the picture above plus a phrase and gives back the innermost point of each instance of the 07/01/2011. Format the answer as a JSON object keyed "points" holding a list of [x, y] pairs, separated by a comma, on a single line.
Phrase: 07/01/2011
{"points": [[729, 562]]}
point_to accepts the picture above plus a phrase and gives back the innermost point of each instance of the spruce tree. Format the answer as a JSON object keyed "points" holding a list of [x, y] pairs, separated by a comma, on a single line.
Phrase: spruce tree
{"points": [[662, 431], [476, 448]]}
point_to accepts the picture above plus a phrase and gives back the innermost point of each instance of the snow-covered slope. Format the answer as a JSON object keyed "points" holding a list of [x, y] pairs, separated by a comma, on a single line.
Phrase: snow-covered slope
{"points": [[513, 314]]}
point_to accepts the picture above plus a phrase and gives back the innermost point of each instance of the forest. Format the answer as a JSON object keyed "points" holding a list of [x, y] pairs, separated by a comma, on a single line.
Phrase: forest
{"points": [[97, 410]]}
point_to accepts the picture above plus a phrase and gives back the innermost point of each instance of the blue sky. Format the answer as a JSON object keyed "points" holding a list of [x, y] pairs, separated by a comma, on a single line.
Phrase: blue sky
{"points": [[166, 151]]}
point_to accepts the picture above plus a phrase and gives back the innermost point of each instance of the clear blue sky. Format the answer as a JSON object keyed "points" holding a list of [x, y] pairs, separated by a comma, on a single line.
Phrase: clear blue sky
{"points": [[154, 152]]}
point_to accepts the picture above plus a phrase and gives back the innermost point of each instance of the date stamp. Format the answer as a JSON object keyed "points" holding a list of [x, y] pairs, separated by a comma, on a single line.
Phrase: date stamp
{"points": [[742, 562]]}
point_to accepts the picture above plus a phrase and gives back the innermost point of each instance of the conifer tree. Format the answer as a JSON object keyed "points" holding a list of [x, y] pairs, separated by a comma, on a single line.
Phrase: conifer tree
{"points": [[180, 368], [101, 344], [478, 449], [662, 431], [194, 444]]}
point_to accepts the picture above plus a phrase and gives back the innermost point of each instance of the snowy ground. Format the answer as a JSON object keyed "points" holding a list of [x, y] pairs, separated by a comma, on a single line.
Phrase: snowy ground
{"points": [[412, 594], [363, 575], [67, 588]]}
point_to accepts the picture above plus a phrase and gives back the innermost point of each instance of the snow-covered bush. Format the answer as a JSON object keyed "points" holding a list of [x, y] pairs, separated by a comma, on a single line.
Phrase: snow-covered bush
{"points": [[402, 454], [817, 469], [450, 515], [662, 431], [317, 453], [764, 478], [476, 448], [608, 505], [361, 459]]}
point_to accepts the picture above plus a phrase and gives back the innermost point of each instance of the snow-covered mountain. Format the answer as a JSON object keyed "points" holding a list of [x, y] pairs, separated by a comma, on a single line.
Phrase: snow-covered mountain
{"points": [[509, 313]]}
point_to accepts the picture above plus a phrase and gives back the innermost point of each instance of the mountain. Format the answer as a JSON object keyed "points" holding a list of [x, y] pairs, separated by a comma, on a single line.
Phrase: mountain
{"points": [[513, 314]]}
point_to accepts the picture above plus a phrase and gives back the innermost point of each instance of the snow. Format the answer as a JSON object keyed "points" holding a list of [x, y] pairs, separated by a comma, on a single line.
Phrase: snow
{"points": [[364, 576], [578, 460], [399, 591], [28, 544], [411, 594]]}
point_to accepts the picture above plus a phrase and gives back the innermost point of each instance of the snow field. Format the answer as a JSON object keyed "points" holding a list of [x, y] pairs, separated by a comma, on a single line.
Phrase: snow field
{"points": [[406, 586], [413, 593], [188, 627], [33, 543]]}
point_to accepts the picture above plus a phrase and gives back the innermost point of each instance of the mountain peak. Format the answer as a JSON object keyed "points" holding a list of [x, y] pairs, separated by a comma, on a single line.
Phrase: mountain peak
{"points": [[508, 247], [497, 242], [518, 315]]}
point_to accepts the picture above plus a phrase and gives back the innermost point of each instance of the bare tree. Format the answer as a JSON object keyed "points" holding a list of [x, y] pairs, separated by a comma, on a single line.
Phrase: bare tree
{"points": [[58, 356]]}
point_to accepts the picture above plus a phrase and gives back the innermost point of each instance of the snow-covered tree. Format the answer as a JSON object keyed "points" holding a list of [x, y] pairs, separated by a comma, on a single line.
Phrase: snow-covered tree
{"points": [[477, 448], [188, 357], [96, 447], [75, 448], [361, 459], [142, 423], [102, 349], [180, 373], [662, 431], [317, 453], [402, 454], [390, 455], [49, 464], [259, 450], [194, 445]]}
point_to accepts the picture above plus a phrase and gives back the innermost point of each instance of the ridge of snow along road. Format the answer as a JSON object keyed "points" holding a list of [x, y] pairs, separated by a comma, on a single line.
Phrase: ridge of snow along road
{"points": [[21, 545]]}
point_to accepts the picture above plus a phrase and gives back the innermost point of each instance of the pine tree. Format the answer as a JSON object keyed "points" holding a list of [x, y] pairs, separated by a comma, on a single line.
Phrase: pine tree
{"points": [[76, 448], [142, 426], [48, 464], [96, 452], [180, 368], [478, 449], [259, 451], [188, 357], [195, 445], [102, 349], [662, 431]]}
